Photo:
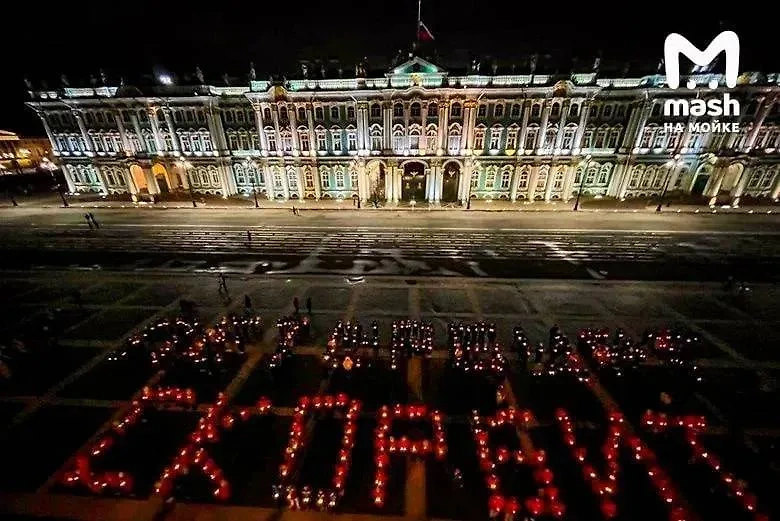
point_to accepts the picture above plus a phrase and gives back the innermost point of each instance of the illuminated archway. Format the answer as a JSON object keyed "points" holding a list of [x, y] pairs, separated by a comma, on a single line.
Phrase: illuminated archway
{"points": [[160, 174], [413, 182], [732, 176], [139, 178], [450, 179], [375, 172]]}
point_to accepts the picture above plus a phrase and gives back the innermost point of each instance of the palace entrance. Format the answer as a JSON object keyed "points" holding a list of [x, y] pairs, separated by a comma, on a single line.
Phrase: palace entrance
{"points": [[139, 179], [451, 176], [699, 184], [375, 172], [413, 182]]}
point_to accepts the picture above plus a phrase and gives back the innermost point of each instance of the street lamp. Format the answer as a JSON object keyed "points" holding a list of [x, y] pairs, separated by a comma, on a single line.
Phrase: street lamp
{"points": [[48, 165], [675, 160], [585, 162], [248, 163], [468, 194], [185, 165]]}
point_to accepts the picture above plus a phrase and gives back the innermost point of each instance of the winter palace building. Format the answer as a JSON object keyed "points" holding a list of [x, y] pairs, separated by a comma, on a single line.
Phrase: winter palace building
{"points": [[418, 132]]}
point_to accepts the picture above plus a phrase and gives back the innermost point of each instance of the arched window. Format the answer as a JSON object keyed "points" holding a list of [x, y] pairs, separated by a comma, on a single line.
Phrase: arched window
{"points": [[647, 136], [659, 141], [287, 140], [636, 176], [195, 141], [549, 136], [614, 136], [301, 114], [456, 110], [414, 137], [556, 110], [482, 110], [506, 177], [590, 175], [587, 137], [498, 110], [541, 182], [433, 109], [536, 110], [267, 115], [516, 110], [604, 172], [335, 139], [495, 137], [239, 173], [647, 178], [351, 138], [558, 180], [568, 137], [530, 137], [574, 110], [490, 178], [601, 137], [303, 139], [243, 140], [350, 112], [292, 178], [398, 138], [270, 138], [240, 116], [376, 110], [431, 139], [283, 113], [334, 113], [398, 110], [453, 139], [205, 139], [376, 137], [415, 110], [522, 181], [479, 138]]}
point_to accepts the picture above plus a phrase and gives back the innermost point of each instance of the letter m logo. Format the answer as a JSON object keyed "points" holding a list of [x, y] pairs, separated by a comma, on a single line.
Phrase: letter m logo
{"points": [[677, 44]]}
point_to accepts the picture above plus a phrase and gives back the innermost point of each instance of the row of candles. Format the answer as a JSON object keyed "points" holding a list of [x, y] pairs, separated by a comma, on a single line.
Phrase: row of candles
{"points": [[473, 348], [385, 444], [410, 338], [692, 427], [306, 496]]}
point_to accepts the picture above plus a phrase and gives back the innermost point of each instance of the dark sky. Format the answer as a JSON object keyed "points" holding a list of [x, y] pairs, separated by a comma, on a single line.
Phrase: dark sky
{"points": [[79, 38]]}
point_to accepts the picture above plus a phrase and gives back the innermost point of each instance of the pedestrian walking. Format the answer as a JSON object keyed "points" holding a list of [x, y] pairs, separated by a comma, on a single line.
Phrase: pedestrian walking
{"points": [[293, 210], [223, 285], [249, 237], [89, 221], [308, 305], [94, 221], [296, 305]]}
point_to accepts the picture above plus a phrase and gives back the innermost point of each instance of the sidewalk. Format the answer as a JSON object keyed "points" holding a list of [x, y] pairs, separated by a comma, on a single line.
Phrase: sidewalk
{"points": [[589, 205]]}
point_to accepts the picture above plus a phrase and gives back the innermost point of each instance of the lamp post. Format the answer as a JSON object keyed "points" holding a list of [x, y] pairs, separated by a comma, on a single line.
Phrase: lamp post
{"points": [[586, 162], [675, 160], [248, 163], [48, 165], [185, 165], [468, 194]]}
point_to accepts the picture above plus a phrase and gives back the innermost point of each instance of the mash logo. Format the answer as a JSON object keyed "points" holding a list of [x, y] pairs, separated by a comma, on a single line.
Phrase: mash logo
{"points": [[726, 42]]}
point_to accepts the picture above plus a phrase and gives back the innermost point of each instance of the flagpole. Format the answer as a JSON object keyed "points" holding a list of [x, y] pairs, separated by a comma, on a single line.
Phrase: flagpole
{"points": [[417, 27]]}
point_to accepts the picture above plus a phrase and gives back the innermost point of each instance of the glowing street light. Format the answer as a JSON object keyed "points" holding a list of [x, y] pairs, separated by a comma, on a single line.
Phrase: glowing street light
{"points": [[185, 165], [165, 79], [585, 163]]}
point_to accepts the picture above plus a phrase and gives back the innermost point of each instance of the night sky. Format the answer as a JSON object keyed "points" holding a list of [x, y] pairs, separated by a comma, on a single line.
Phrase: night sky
{"points": [[132, 37]]}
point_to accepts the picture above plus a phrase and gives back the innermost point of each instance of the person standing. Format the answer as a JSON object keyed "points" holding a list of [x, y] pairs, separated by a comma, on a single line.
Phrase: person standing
{"points": [[249, 238], [296, 305], [308, 305], [89, 221], [94, 221]]}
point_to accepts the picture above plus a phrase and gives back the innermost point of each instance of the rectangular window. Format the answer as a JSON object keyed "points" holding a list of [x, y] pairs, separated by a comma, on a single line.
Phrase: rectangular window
{"points": [[334, 113], [277, 181], [482, 111], [271, 142], [376, 142], [474, 180], [505, 178], [353, 180], [335, 137], [490, 180], [511, 139], [352, 141], [339, 179], [287, 142], [318, 113], [498, 111], [309, 179], [495, 139], [304, 139], [523, 181], [325, 180], [479, 140]]}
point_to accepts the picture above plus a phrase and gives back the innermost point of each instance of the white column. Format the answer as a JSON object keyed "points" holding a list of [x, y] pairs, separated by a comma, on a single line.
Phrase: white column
{"points": [[543, 125], [159, 143], [122, 133], [524, 127], [766, 106], [171, 130], [275, 118], [84, 134], [261, 138], [137, 129], [640, 124], [217, 132], [312, 135], [364, 143], [49, 133], [568, 181], [533, 179], [549, 184], [584, 112], [131, 188], [293, 118], [624, 180], [387, 126], [317, 182], [444, 112], [561, 125], [515, 182], [269, 182]]}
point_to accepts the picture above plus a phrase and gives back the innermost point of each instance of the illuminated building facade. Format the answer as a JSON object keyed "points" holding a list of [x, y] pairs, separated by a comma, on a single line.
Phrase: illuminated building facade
{"points": [[20, 154], [416, 132]]}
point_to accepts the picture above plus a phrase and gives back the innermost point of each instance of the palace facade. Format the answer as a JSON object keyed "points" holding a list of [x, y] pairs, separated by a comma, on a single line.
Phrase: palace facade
{"points": [[418, 133]]}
